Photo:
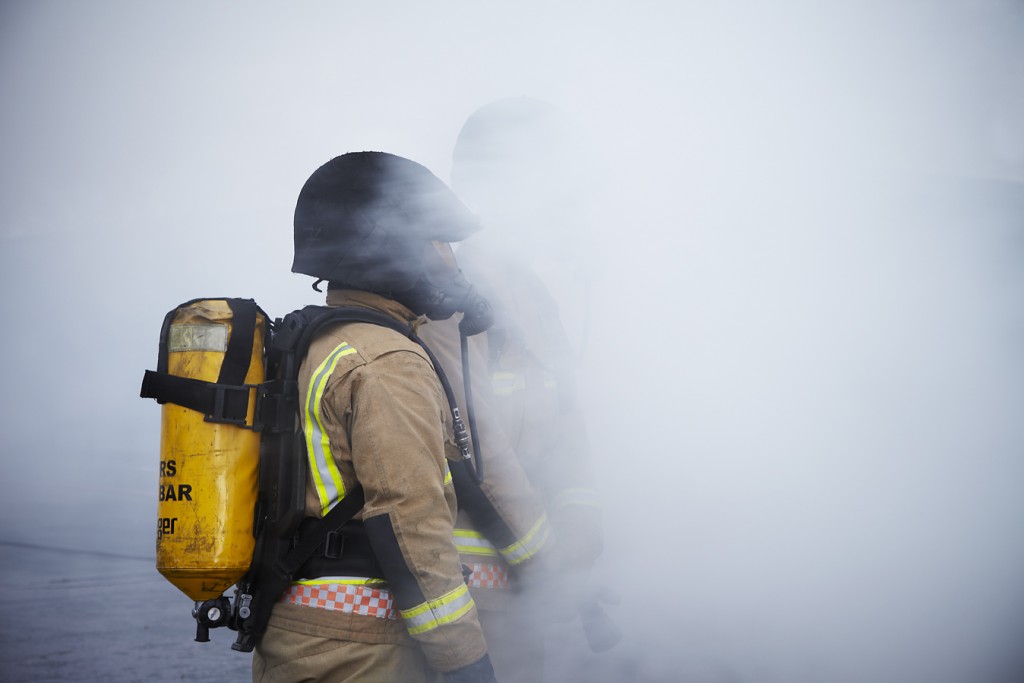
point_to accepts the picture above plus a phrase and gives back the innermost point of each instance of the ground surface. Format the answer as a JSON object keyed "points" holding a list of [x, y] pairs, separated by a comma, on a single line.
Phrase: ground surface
{"points": [[83, 617], [73, 616]]}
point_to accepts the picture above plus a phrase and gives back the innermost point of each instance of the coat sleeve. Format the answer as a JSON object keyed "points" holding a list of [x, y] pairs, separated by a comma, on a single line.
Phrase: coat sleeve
{"points": [[574, 505], [505, 507], [568, 480], [396, 427]]}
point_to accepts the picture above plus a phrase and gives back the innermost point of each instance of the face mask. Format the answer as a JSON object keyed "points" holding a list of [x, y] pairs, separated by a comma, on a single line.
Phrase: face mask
{"points": [[442, 290]]}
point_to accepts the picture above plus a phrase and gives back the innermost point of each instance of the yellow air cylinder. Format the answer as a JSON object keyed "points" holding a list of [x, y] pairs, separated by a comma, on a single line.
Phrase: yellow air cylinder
{"points": [[208, 471]]}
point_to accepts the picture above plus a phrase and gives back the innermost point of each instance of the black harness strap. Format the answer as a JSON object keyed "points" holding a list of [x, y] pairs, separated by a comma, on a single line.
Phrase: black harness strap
{"points": [[226, 400], [218, 402], [238, 355], [314, 536], [347, 552], [324, 315], [285, 543]]}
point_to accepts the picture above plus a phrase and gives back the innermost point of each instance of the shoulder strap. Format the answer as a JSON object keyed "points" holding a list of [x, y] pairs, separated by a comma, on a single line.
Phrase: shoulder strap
{"points": [[298, 329], [235, 366], [277, 557], [330, 523]]}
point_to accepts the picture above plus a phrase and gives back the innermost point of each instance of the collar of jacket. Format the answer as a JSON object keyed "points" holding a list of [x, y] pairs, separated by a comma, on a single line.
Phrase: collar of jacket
{"points": [[375, 302]]}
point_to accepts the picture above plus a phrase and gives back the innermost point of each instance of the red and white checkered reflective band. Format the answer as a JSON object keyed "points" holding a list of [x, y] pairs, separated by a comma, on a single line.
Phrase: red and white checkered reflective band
{"points": [[371, 602], [487, 576]]}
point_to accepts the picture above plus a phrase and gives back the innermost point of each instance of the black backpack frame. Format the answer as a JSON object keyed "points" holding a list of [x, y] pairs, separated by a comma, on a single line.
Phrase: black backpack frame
{"points": [[280, 505]]}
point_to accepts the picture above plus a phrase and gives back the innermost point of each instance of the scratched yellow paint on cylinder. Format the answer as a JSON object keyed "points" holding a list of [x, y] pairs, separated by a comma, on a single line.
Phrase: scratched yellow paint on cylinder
{"points": [[208, 471]]}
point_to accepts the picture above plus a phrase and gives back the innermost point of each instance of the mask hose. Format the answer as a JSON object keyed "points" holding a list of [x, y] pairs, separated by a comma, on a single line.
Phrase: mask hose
{"points": [[478, 459]]}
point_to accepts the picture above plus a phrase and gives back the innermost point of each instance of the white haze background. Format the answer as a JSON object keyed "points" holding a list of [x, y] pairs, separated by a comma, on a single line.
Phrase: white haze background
{"points": [[803, 366]]}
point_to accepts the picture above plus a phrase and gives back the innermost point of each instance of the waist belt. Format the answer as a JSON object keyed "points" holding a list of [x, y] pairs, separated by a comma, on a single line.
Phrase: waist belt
{"points": [[340, 597], [349, 553], [345, 553]]}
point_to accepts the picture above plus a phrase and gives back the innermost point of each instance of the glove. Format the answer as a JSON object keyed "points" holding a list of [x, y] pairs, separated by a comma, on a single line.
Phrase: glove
{"points": [[553, 598], [602, 633], [573, 595], [478, 672], [579, 539]]}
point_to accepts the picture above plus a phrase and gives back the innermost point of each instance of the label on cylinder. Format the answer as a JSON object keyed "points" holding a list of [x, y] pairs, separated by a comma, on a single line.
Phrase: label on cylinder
{"points": [[197, 338]]}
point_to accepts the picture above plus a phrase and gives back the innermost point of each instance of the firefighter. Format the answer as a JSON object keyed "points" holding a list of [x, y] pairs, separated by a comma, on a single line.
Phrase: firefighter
{"points": [[390, 603], [511, 165]]}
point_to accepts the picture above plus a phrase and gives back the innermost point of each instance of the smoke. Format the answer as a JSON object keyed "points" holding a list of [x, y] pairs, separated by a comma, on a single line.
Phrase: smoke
{"points": [[806, 359], [803, 233]]}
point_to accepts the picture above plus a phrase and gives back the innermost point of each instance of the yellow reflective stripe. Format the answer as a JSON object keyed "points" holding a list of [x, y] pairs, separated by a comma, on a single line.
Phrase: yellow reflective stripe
{"points": [[340, 580], [528, 546], [429, 615], [567, 497], [468, 533], [504, 383], [447, 473], [326, 477], [470, 542]]}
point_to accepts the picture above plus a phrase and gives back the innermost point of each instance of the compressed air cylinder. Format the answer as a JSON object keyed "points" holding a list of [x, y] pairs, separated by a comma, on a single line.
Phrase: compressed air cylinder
{"points": [[208, 470]]}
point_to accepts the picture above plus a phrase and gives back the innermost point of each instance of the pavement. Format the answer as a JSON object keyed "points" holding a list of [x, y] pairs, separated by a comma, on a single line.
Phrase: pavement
{"points": [[82, 616], [90, 616]]}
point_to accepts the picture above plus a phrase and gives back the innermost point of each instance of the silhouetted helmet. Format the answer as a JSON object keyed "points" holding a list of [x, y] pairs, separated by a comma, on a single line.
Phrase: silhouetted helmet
{"points": [[524, 169], [377, 222]]}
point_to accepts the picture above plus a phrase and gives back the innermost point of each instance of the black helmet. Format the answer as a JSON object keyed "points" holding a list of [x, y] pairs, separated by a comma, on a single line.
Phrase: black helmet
{"points": [[363, 219], [518, 146], [372, 221], [522, 165]]}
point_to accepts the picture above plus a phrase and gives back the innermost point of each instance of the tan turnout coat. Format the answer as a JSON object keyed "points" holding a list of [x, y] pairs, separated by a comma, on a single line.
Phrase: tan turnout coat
{"points": [[382, 421]]}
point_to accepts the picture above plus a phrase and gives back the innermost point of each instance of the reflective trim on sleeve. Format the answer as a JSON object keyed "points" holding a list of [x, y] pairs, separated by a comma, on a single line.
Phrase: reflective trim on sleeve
{"points": [[469, 542], [341, 581], [326, 477], [505, 383], [447, 473], [567, 497], [429, 615], [528, 546]]}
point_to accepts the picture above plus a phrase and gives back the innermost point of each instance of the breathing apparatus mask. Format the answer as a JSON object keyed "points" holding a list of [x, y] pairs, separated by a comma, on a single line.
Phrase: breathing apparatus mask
{"points": [[442, 290], [381, 223]]}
